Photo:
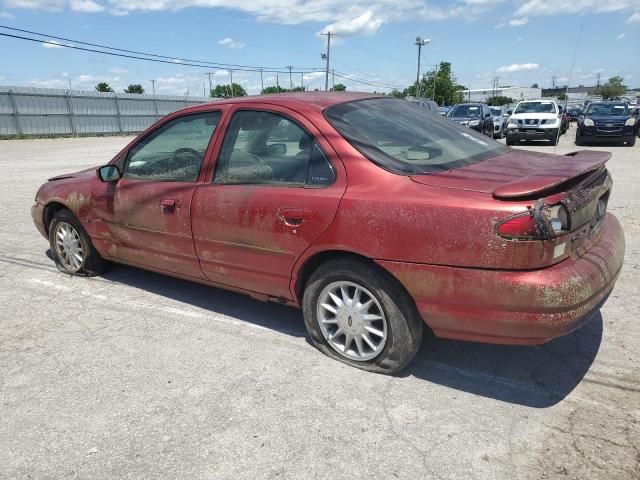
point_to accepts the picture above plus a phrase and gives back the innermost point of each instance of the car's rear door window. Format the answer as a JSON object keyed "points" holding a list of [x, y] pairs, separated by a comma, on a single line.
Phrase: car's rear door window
{"points": [[268, 148], [401, 137], [175, 151]]}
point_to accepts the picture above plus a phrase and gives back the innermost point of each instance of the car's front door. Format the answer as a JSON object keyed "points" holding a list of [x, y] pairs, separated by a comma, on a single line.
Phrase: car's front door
{"points": [[145, 216], [276, 188]]}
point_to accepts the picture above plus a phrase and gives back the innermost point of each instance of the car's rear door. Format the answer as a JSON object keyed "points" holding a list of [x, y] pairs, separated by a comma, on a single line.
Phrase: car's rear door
{"points": [[276, 188], [144, 218]]}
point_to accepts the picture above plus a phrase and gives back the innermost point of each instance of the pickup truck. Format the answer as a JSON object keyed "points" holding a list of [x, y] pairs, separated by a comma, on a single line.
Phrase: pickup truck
{"points": [[534, 120]]}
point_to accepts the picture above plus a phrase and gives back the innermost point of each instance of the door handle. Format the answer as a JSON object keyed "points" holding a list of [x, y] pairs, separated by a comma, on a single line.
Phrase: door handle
{"points": [[293, 217], [168, 204]]}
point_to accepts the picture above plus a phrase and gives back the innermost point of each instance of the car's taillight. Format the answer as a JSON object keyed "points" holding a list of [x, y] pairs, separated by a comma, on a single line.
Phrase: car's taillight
{"points": [[536, 224]]}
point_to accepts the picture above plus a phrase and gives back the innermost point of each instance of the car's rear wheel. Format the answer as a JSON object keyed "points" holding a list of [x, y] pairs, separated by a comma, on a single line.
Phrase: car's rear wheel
{"points": [[358, 314], [579, 142], [71, 247]]}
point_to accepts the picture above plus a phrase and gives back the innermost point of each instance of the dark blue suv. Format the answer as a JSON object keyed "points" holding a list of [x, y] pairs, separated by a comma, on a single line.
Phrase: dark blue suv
{"points": [[606, 121]]}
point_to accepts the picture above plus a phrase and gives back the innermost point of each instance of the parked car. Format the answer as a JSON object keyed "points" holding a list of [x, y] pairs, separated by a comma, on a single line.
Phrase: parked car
{"points": [[534, 120], [635, 113], [574, 113], [476, 116], [443, 111], [607, 121], [564, 120], [500, 118], [372, 215]]}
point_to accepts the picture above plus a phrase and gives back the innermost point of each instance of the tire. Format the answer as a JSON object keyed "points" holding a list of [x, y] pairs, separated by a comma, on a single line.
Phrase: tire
{"points": [[631, 142], [553, 140], [390, 302], [579, 141], [64, 223], [509, 141]]}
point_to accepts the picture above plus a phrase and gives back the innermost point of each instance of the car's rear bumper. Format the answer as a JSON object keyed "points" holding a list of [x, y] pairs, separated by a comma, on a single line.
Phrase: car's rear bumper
{"points": [[37, 214], [515, 307]]}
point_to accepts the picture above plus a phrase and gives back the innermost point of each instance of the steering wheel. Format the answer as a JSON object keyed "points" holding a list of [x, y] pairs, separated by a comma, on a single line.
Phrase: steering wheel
{"points": [[187, 150]]}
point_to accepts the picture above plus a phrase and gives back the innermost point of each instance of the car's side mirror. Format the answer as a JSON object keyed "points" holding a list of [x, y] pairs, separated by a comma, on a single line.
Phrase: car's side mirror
{"points": [[509, 112], [487, 115], [109, 173], [277, 149]]}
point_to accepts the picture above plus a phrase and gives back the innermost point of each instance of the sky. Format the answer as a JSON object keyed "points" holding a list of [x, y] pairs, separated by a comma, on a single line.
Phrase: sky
{"points": [[520, 41]]}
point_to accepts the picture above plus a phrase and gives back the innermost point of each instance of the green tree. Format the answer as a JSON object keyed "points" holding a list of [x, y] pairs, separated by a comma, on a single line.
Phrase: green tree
{"points": [[499, 101], [134, 88], [447, 89], [339, 87], [103, 87], [396, 93], [228, 91], [562, 96], [613, 88], [535, 85], [274, 89]]}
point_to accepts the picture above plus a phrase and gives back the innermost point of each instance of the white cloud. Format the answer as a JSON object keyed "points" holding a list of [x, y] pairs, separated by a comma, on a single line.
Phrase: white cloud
{"points": [[560, 7], [6, 15], [366, 23], [635, 17], [518, 22], [117, 70], [231, 43], [518, 67], [52, 44], [621, 36], [86, 6]]}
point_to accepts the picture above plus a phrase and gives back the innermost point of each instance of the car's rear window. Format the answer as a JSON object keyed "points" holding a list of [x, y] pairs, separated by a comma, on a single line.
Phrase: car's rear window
{"points": [[403, 138]]}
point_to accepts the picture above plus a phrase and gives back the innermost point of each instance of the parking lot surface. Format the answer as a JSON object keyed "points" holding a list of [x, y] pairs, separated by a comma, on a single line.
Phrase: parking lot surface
{"points": [[137, 375]]}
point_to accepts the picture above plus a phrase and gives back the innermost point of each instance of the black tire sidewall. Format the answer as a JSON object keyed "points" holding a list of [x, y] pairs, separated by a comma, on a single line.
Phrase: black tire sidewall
{"points": [[404, 326], [92, 262]]}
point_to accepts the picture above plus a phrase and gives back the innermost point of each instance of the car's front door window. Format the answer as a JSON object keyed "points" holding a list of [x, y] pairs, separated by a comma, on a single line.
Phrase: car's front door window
{"points": [[268, 148], [174, 152]]}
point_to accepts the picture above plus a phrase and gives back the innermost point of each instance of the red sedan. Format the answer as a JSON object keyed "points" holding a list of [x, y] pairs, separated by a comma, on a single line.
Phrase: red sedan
{"points": [[373, 216]]}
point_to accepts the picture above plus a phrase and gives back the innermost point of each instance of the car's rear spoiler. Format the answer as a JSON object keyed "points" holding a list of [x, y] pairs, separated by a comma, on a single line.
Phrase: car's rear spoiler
{"points": [[568, 167]]}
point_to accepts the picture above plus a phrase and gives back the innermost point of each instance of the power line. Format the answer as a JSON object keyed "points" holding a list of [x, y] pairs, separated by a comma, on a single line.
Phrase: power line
{"points": [[173, 60]]}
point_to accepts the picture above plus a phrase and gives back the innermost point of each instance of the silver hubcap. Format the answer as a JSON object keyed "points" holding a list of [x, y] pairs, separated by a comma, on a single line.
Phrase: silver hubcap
{"points": [[68, 246], [352, 321]]}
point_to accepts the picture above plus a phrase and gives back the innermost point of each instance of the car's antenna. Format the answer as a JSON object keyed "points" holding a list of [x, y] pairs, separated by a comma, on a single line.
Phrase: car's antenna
{"points": [[566, 93]]}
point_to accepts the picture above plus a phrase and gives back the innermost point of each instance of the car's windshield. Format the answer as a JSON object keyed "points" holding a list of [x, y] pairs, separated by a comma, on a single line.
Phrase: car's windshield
{"points": [[495, 111], [605, 109], [405, 139], [535, 107], [465, 111]]}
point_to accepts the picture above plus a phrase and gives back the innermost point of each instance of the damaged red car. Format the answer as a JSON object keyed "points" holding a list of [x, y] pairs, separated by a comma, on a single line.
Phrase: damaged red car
{"points": [[374, 217]]}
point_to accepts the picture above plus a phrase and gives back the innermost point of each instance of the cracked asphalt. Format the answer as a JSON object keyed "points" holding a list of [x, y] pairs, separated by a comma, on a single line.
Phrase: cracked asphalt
{"points": [[136, 375]]}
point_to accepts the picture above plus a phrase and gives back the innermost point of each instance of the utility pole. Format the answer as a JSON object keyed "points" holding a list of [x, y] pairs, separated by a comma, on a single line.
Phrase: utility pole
{"points": [[289, 67], [69, 78], [153, 87], [326, 56], [333, 79], [435, 78], [420, 42], [210, 87], [231, 78], [261, 82], [553, 82], [598, 84], [277, 83], [302, 80]]}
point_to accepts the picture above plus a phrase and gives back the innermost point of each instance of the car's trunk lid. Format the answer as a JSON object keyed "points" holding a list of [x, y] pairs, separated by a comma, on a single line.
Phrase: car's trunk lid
{"points": [[519, 174]]}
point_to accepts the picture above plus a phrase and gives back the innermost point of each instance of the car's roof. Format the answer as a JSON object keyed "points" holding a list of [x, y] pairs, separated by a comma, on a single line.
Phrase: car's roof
{"points": [[317, 100], [469, 103], [613, 102]]}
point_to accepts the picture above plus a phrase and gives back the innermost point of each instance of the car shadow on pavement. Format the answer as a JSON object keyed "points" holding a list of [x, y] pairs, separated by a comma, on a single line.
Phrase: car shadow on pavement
{"points": [[536, 376]]}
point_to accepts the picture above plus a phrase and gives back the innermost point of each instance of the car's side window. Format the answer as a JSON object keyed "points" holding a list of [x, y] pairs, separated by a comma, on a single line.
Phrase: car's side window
{"points": [[268, 148], [174, 152]]}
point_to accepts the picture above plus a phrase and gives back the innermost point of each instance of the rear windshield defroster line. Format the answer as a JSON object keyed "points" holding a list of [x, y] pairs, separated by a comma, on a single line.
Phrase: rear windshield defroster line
{"points": [[405, 139]]}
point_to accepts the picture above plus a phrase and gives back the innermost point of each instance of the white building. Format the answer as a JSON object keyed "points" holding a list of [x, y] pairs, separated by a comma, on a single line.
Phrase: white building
{"points": [[517, 93]]}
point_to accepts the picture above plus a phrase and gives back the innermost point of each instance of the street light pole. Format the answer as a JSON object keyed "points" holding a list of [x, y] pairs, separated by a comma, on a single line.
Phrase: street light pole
{"points": [[153, 87], [420, 42], [289, 67]]}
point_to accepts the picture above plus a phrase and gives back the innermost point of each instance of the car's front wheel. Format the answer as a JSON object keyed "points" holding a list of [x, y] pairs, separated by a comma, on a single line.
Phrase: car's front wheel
{"points": [[71, 247], [358, 314]]}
